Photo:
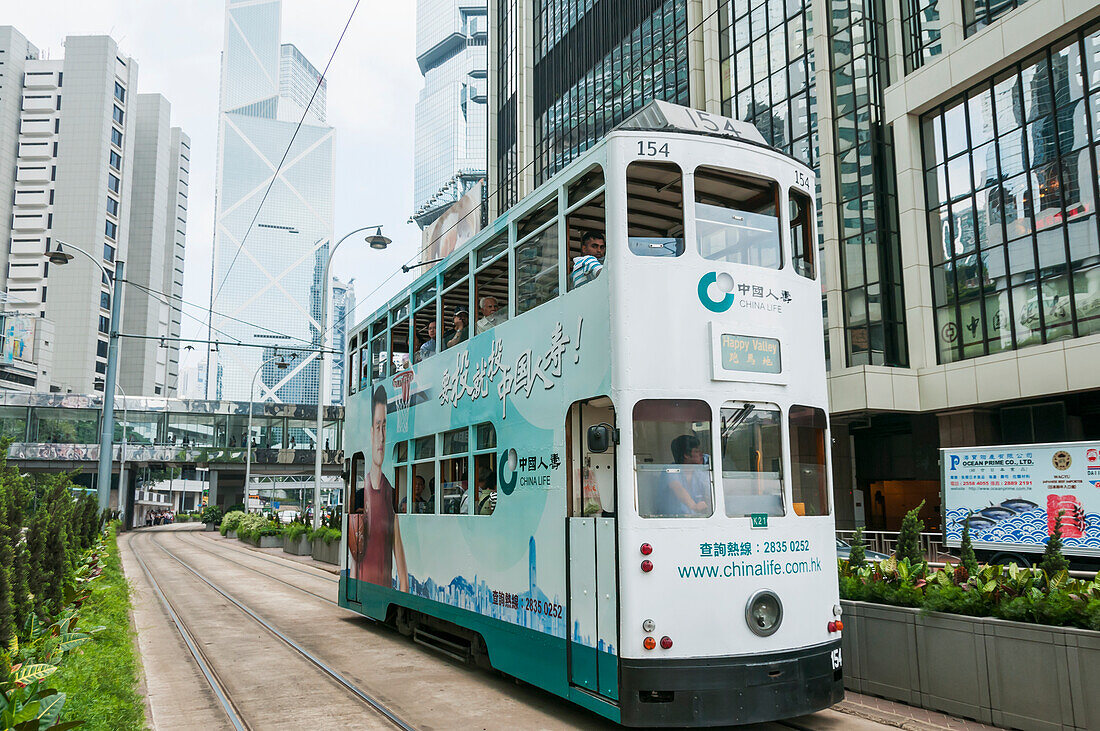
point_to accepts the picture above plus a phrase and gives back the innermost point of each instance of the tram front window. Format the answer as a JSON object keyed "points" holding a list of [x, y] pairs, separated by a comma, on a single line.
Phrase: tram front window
{"points": [[737, 218], [672, 441], [654, 209], [752, 460]]}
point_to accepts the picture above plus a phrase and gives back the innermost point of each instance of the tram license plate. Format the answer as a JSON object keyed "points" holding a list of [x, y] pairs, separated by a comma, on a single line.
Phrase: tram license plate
{"points": [[749, 353], [759, 520]]}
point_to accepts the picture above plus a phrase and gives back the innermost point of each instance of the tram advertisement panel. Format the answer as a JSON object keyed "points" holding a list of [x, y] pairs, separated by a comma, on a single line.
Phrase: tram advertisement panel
{"points": [[1013, 495], [486, 416]]}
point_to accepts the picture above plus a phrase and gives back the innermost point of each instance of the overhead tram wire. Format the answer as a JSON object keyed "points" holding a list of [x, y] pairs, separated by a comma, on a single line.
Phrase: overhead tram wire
{"points": [[156, 293], [360, 301], [279, 167]]}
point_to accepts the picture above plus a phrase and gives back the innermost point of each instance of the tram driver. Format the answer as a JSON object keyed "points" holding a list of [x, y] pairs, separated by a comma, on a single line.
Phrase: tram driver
{"points": [[688, 490]]}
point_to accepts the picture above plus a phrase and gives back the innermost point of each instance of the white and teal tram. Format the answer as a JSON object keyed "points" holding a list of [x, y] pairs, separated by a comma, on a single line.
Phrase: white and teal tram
{"points": [[617, 491]]}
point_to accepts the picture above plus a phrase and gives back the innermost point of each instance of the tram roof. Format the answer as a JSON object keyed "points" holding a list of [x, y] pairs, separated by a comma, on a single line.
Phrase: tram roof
{"points": [[655, 116]]}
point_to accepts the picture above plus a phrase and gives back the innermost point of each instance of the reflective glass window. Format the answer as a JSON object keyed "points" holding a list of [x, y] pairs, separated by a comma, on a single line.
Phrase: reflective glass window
{"points": [[737, 218], [752, 459], [809, 475], [672, 464]]}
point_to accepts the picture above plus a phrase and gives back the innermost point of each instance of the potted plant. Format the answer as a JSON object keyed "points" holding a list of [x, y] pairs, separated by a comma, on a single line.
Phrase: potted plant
{"points": [[326, 544], [211, 516], [296, 539], [229, 523]]}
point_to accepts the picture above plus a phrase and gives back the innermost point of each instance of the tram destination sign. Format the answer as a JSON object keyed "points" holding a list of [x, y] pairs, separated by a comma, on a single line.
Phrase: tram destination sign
{"points": [[751, 354]]}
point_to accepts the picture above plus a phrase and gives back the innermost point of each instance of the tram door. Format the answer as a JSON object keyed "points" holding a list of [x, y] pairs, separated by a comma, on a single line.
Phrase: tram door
{"points": [[353, 511], [593, 615]]}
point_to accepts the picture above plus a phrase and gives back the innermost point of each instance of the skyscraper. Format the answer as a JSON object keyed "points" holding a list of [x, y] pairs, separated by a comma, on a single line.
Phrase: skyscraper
{"points": [[69, 156], [451, 41], [343, 304], [272, 230]]}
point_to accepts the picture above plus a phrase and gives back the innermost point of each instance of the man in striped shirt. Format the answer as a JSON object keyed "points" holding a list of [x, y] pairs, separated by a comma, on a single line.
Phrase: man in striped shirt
{"points": [[589, 264]]}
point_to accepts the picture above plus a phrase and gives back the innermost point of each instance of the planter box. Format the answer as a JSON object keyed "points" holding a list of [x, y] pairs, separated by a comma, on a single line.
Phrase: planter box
{"points": [[265, 541], [231, 534], [302, 546], [1010, 674], [327, 552], [210, 526]]}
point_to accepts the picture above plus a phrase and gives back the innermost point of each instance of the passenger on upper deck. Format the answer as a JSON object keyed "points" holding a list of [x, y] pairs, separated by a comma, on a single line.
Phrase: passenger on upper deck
{"points": [[491, 314], [427, 349], [461, 328], [486, 491], [589, 264], [688, 488]]}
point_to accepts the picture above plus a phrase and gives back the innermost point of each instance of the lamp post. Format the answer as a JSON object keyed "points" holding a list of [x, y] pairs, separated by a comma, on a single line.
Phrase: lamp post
{"points": [[281, 365], [127, 519], [58, 257], [376, 241]]}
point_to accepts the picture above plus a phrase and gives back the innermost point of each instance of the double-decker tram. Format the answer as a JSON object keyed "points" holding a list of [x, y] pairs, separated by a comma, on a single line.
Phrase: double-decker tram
{"points": [[610, 479]]}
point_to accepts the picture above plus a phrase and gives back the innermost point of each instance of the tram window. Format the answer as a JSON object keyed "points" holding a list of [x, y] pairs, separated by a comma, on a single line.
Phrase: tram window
{"points": [[809, 487], [737, 218], [654, 209], [399, 344], [425, 332], [584, 220], [424, 294], [537, 269], [589, 182], [358, 474], [456, 441], [491, 248], [485, 476], [456, 312], [401, 488], [802, 234], [423, 488], [536, 218], [424, 448], [364, 363], [379, 354], [453, 478], [752, 460], [672, 439], [458, 271], [486, 436], [491, 295], [352, 365]]}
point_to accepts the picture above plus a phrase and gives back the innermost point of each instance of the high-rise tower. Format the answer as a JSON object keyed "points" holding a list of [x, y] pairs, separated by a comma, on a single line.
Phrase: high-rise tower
{"points": [[271, 227]]}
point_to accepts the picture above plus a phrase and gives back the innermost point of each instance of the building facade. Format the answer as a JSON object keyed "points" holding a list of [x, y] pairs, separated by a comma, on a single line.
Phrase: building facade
{"points": [[343, 305], [449, 158], [271, 228], [955, 147], [67, 157], [157, 244]]}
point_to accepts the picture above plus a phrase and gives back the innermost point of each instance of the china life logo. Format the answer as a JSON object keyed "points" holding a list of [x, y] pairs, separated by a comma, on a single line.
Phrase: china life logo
{"points": [[723, 284]]}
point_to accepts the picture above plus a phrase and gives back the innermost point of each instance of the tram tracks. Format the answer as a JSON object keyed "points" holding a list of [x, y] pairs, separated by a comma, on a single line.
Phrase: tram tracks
{"points": [[227, 686], [292, 585]]}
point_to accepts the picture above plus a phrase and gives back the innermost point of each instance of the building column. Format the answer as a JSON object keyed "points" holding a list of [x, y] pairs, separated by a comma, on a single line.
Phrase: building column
{"points": [[969, 428], [843, 471]]}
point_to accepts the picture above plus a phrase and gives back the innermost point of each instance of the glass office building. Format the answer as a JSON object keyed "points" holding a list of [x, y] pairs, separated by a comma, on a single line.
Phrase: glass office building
{"points": [[269, 235], [451, 44]]}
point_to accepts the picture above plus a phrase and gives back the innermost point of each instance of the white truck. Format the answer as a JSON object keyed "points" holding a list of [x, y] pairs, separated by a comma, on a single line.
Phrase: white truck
{"points": [[1012, 496]]}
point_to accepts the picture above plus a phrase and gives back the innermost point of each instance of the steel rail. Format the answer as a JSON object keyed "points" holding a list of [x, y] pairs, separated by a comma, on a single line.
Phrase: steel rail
{"points": [[200, 658], [317, 662]]}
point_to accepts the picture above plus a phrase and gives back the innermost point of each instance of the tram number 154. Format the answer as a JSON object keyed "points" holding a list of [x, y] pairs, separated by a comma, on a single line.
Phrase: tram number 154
{"points": [[649, 148], [835, 657]]}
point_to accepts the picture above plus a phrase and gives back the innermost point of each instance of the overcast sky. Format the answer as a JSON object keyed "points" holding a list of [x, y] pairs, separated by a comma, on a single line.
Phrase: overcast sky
{"points": [[372, 87]]}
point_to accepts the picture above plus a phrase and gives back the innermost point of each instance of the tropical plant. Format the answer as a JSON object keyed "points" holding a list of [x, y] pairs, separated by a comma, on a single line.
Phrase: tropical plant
{"points": [[295, 530], [326, 534], [1053, 561], [967, 559], [909, 537]]}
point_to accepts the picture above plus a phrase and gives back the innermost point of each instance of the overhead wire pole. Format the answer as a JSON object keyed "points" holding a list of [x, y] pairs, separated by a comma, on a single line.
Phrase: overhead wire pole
{"points": [[376, 241]]}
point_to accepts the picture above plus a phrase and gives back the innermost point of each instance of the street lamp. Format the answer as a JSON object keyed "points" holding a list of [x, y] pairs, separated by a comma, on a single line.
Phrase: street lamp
{"points": [[59, 257], [281, 365], [379, 242], [123, 493]]}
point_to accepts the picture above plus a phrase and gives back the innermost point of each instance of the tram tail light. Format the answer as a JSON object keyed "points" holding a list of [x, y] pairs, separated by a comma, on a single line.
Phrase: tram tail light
{"points": [[649, 643], [647, 566], [666, 642], [836, 626], [646, 549]]}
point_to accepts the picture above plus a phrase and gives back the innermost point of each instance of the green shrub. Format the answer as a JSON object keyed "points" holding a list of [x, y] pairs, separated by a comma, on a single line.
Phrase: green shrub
{"points": [[966, 552], [857, 556], [1053, 561], [211, 514], [295, 530], [909, 537], [230, 521], [249, 525], [326, 534]]}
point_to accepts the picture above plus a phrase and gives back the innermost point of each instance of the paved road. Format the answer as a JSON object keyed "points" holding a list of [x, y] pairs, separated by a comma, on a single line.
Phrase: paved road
{"points": [[221, 663]]}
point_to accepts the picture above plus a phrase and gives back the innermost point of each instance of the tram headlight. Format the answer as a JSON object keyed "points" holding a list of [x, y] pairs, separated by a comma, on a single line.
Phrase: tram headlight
{"points": [[764, 613], [648, 626]]}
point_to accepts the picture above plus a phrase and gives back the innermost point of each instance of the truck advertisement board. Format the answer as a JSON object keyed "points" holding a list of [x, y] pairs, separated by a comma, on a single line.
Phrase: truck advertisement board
{"points": [[1012, 496]]}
